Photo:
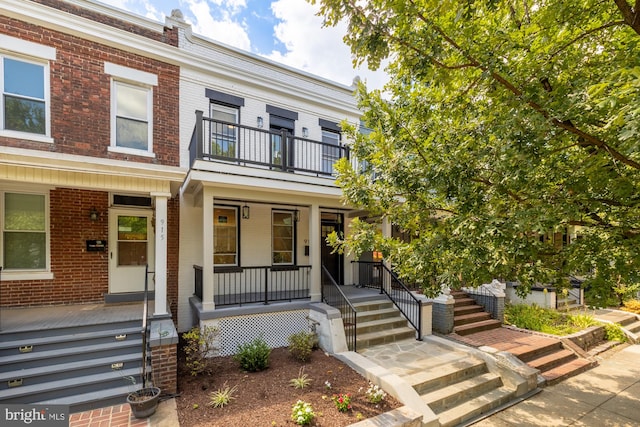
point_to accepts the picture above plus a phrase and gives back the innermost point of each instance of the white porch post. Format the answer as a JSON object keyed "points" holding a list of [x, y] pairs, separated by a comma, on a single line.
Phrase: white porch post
{"points": [[315, 253], [161, 254], [207, 249]]}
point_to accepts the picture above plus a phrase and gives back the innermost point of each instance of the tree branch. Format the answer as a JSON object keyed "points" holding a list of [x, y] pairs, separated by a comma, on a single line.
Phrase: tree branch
{"points": [[630, 15], [585, 34]]}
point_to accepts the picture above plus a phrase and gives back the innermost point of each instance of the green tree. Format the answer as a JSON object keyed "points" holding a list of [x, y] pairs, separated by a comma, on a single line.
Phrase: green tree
{"points": [[502, 121]]}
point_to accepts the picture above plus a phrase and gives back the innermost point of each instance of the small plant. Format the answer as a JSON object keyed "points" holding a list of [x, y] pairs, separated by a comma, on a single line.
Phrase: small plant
{"points": [[614, 332], [198, 349], [302, 344], [327, 385], [375, 394], [342, 402], [253, 356], [301, 381], [302, 413], [222, 397], [632, 306]]}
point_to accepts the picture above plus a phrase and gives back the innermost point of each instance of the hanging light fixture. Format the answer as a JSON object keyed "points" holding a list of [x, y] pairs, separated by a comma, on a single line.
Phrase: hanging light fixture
{"points": [[94, 214], [260, 122]]}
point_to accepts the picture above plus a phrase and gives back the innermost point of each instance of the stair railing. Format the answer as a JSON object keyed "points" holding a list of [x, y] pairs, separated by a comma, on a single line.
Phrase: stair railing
{"points": [[333, 296], [145, 328], [408, 304]]}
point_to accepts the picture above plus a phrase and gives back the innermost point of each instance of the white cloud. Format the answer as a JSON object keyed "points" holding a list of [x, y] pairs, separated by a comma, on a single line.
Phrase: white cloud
{"points": [[226, 28]]}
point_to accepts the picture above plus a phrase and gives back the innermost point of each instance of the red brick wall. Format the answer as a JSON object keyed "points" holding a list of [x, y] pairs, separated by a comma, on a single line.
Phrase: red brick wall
{"points": [[164, 366], [173, 241], [80, 96]]}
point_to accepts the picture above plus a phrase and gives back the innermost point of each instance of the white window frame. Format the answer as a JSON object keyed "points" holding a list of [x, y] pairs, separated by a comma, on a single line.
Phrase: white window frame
{"points": [[327, 156], [229, 110], [27, 274], [34, 53], [128, 76]]}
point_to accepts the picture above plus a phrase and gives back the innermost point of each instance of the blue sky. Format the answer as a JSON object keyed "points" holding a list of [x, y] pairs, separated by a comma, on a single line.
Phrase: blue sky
{"points": [[286, 31]]}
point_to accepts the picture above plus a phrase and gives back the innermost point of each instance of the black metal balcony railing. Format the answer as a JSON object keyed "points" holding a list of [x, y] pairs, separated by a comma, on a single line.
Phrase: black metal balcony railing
{"points": [[219, 141], [262, 284]]}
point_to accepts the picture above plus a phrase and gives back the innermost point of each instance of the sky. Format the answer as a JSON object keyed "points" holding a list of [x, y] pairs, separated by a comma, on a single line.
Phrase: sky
{"points": [[285, 31]]}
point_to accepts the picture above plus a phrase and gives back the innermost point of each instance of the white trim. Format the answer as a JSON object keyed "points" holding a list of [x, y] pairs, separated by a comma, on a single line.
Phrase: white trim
{"points": [[23, 275], [131, 151], [114, 113], [35, 137], [23, 47], [131, 74]]}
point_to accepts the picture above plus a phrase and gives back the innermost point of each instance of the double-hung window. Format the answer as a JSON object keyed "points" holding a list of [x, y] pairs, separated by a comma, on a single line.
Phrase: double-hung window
{"points": [[131, 110], [225, 236], [24, 89], [330, 150], [224, 132], [24, 232], [283, 238]]}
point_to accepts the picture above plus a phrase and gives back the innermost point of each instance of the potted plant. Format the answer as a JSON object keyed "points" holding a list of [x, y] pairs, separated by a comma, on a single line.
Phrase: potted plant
{"points": [[144, 401]]}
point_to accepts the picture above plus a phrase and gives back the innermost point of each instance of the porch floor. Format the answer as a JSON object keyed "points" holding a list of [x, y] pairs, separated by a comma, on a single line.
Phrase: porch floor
{"points": [[62, 316], [360, 294]]}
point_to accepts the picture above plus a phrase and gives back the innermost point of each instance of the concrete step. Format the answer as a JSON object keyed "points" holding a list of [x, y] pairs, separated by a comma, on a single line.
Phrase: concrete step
{"points": [[633, 327], [376, 314], [536, 350], [467, 309], [475, 407], [445, 398], [10, 338], [383, 337], [465, 319], [92, 400], [378, 304], [477, 327], [626, 319], [552, 360], [459, 370], [567, 370]]}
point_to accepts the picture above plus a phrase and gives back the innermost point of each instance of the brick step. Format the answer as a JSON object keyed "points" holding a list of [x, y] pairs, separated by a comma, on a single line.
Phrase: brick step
{"points": [[461, 302], [445, 398], [477, 327], [459, 294], [567, 370], [536, 348], [475, 407], [552, 360], [465, 319], [467, 309], [425, 381]]}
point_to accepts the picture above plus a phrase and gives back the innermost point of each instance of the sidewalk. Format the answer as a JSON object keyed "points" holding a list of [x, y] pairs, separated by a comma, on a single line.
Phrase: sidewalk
{"points": [[607, 395]]}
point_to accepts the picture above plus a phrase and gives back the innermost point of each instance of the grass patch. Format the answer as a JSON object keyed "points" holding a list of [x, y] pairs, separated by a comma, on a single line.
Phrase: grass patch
{"points": [[536, 318]]}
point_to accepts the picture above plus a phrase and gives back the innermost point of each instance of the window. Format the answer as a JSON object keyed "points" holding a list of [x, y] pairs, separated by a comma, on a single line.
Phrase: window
{"points": [[24, 231], [224, 136], [283, 235], [132, 116], [24, 95], [330, 150], [225, 236]]}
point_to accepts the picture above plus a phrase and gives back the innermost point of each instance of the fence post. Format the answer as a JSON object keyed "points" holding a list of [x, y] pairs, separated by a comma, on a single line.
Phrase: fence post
{"points": [[266, 285]]}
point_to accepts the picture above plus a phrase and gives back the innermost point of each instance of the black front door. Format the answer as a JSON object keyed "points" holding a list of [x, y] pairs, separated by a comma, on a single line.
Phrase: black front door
{"points": [[334, 262]]}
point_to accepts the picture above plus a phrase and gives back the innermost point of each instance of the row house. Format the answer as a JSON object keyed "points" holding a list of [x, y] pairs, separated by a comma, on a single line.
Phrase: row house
{"points": [[137, 155]]}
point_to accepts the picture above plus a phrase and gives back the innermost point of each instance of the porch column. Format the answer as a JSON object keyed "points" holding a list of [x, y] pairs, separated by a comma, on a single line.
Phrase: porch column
{"points": [[161, 254], [315, 253], [207, 249]]}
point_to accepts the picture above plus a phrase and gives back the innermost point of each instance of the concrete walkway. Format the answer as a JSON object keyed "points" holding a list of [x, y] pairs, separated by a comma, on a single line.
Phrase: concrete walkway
{"points": [[607, 395]]}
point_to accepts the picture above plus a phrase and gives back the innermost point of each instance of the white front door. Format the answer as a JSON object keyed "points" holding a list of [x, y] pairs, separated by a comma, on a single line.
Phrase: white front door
{"points": [[131, 249]]}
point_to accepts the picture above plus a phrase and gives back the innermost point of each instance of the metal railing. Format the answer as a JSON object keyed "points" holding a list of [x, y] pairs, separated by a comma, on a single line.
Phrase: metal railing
{"points": [[376, 275], [485, 298], [260, 284], [333, 296], [219, 141]]}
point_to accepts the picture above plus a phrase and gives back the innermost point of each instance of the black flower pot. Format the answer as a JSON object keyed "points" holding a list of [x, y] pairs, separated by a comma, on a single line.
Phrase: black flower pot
{"points": [[144, 402]]}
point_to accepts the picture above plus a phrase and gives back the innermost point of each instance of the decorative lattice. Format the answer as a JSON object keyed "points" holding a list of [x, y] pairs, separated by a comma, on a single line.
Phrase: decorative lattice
{"points": [[274, 328]]}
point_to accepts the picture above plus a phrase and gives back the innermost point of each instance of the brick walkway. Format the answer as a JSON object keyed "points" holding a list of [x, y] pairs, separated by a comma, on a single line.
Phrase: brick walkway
{"points": [[112, 416], [504, 339]]}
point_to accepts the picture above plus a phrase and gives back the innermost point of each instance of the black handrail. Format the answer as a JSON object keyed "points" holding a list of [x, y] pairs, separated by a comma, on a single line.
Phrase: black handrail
{"points": [[145, 327], [333, 296]]}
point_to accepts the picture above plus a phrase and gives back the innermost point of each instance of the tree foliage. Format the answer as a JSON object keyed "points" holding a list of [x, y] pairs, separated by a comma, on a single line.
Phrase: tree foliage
{"points": [[503, 121]]}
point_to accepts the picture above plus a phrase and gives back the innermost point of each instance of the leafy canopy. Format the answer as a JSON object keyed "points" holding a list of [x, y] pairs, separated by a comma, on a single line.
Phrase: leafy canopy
{"points": [[502, 121]]}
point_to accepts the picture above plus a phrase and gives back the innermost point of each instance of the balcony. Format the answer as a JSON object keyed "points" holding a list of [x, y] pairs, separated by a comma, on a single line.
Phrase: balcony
{"points": [[230, 143]]}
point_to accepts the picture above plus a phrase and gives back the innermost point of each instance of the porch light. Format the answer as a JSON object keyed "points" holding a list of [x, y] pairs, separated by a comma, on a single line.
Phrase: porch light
{"points": [[93, 214], [305, 132], [260, 122], [245, 212], [296, 215]]}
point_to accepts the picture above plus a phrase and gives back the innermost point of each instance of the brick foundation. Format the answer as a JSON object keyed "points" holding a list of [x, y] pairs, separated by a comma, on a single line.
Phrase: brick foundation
{"points": [[164, 365]]}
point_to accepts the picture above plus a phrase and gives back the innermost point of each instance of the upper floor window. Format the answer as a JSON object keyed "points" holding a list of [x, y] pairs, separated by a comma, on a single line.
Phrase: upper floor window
{"points": [[224, 136], [131, 110], [330, 150], [23, 96], [24, 231]]}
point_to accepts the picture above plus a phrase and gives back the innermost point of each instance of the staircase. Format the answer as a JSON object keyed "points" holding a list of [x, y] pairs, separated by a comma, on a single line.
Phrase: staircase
{"points": [[85, 367], [380, 322], [469, 317], [631, 324]]}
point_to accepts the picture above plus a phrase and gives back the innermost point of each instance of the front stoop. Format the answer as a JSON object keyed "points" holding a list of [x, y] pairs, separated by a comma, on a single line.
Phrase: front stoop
{"points": [[469, 317], [380, 322]]}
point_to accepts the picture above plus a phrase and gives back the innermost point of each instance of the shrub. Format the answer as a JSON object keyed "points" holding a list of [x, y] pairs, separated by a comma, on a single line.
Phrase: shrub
{"points": [[614, 332], [253, 356], [198, 348], [632, 306], [302, 413], [302, 344], [222, 397]]}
